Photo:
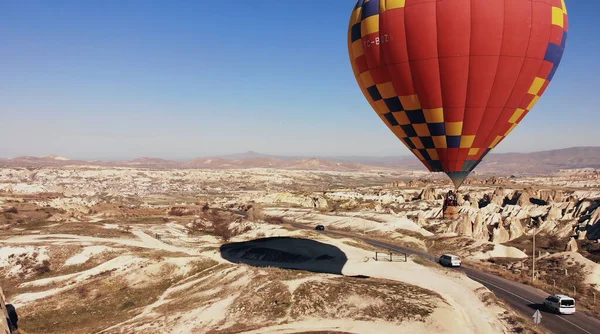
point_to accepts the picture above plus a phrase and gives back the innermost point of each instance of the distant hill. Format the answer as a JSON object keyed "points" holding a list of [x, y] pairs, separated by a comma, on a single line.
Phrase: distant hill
{"points": [[249, 155], [501, 163], [542, 161]]}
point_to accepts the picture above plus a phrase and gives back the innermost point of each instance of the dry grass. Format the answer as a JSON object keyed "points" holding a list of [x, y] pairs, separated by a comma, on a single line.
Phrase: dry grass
{"points": [[200, 295], [11, 209], [590, 250], [545, 243], [504, 261], [486, 296], [76, 228], [202, 266], [79, 310], [484, 248], [423, 261], [362, 245], [410, 233], [57, 255], [263, 300], [518, 324], [276, 220], [282, 274], [337, 298], [375, 235], [155, 254], [24, 215], [218, 223], [151, 220], [439, 246], [256, 214], [181, 211], [240, 327], [100, 297], [91, 263], [370, 217], [93, 230]]}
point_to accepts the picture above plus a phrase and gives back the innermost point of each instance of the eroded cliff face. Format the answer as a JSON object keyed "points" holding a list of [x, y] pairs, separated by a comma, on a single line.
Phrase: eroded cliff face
{"points": [[496, 210], [501, 214]]}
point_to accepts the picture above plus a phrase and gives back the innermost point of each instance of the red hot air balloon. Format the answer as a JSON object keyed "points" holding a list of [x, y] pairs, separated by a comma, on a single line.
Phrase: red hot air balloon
{"points": [[452, 78]]}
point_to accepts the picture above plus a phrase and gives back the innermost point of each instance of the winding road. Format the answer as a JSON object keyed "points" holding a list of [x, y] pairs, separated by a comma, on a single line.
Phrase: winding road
{"points": [[520, 297]]}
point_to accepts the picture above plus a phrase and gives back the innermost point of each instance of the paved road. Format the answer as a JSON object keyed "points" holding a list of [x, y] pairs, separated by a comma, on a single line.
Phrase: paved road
{"points": [[520, 297]]}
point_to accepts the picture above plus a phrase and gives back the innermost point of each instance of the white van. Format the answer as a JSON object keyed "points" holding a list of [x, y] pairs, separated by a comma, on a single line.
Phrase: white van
{"points": [[560, 304], [450, 260]]}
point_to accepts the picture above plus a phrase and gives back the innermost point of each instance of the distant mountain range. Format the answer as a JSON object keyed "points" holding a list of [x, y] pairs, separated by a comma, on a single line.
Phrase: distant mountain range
{"points": [[542, 162], [500, 164]]}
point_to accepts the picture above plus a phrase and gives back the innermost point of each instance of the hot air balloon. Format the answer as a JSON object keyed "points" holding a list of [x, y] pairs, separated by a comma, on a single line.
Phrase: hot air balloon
{"points": [[451, 79]]}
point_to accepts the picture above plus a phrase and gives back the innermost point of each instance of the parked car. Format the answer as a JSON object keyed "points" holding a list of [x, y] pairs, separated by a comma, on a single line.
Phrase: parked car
{"points": [[560, 304], [450, 260], [320, 228]]}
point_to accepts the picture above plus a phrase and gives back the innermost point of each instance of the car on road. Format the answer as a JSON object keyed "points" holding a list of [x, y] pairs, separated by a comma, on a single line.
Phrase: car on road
{"points": [[560, 304], [450, 260], [320, 228]]}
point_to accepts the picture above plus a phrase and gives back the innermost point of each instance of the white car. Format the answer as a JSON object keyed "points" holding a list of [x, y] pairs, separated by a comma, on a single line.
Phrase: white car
{"points": [[450, 260], [560, 304]]}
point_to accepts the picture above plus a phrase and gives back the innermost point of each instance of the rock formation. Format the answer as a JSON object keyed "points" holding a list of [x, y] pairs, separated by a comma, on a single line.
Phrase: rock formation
{"points": [[515, 229], [427, 194], [500, 234], [464, 226], [480, 232], [396, 184]]}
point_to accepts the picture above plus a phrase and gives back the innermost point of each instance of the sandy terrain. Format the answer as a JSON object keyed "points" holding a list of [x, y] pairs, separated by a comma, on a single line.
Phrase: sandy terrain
{"points": [[160, 251], [457, 294]]}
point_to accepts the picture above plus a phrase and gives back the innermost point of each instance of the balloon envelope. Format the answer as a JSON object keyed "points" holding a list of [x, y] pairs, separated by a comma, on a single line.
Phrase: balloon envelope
{"points": [[451, 79]]}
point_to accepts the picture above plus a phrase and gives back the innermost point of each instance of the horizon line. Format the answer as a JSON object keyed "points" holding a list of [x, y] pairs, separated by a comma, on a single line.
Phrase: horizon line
{"points": [[231, 156]]}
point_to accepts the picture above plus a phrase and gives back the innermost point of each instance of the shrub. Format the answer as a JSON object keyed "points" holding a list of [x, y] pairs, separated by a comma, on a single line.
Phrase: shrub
{"points": [[223, 231], [43, 267], [12, 209], [555, 242], [221, 223], [276, 220], [180, 211], [196, 226]]}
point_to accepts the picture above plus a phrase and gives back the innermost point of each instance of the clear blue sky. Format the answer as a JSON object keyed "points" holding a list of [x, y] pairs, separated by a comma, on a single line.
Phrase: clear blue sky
{"points": [[181, 79]]}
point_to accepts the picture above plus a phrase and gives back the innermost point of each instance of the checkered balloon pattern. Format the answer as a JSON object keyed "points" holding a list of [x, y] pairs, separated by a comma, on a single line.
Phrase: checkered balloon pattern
{"points": [[451, 79]]}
